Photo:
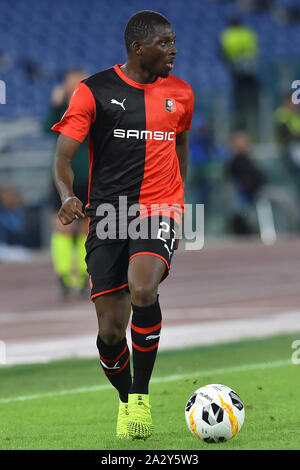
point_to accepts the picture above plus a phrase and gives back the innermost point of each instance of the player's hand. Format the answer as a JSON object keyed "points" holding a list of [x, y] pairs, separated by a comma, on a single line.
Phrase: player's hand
{"points": [[70, 210]]}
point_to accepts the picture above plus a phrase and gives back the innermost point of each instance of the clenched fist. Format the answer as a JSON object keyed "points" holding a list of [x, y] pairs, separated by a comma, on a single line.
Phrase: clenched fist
{"points": [[70, 210]]}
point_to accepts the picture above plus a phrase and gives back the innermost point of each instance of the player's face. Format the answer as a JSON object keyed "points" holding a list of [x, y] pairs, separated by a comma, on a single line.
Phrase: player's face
{"points": [[159, 51]]}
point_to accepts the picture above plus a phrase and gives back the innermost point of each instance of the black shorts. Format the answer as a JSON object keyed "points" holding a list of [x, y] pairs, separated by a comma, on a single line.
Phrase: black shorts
{"points": [[107, 260]]}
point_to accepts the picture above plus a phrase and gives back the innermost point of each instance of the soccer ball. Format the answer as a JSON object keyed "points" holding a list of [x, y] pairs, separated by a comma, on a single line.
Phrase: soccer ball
{"points": [[214, 413]]}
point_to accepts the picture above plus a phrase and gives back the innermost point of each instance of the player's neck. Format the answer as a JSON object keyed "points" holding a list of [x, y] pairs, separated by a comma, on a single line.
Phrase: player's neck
{"points": [[136, 73]]}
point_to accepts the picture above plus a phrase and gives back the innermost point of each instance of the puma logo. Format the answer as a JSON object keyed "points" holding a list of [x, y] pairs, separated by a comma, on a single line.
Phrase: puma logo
{"points": [[113, 101], [111, 368], [152, 337]]}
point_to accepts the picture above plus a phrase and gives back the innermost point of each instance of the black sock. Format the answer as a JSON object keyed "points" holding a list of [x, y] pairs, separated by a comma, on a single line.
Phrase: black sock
{"points": [[145, 332], [115, 361]]}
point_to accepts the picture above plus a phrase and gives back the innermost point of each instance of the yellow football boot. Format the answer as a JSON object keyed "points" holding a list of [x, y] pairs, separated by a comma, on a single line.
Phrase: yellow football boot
{"points": [[139, 425], [122, 421]]}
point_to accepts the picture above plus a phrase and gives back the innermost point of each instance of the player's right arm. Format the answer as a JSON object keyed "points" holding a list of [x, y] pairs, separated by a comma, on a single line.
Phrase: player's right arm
{"points": [[72, 129], [63, 175]]}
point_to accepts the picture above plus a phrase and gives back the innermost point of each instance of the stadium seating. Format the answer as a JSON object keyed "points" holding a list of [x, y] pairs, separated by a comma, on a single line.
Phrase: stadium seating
{"points": [[44, 39]]}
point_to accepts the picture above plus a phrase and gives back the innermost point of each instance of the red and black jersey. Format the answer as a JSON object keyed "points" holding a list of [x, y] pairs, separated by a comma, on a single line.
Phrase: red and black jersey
{"points": [[132, 131]]}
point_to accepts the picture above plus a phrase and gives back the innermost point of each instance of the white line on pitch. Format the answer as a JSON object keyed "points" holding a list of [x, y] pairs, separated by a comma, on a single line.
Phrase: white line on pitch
{"points": [[155, 380]]}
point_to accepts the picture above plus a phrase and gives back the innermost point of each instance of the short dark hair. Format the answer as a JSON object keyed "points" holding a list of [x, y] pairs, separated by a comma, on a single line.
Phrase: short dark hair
{"points": [[141, 25]]}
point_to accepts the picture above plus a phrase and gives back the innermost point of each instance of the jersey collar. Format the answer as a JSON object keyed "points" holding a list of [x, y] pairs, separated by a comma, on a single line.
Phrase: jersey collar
{"points": [[136, 84]]}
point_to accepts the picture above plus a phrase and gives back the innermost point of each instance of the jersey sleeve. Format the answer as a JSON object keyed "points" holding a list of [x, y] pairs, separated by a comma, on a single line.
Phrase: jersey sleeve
{"points": [[186, 119], [79, 116]]}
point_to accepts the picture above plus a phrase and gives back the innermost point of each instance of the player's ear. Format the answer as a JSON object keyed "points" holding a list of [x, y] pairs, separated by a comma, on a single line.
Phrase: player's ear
{"points": [[137, 48]]}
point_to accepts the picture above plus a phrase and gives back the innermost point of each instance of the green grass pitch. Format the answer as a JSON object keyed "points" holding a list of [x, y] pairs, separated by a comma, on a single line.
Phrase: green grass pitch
{"points": [[70, 405]]}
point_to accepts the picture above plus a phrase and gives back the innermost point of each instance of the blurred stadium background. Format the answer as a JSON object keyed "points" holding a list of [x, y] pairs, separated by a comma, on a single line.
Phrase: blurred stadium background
{"points": [[245, 282]]}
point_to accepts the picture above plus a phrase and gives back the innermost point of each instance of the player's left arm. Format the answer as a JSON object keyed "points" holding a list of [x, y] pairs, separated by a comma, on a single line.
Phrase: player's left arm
{"points": [[182, 150]]}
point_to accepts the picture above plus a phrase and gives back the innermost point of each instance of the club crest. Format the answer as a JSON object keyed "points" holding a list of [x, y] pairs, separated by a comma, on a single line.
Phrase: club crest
{"points": [[170, 105]]}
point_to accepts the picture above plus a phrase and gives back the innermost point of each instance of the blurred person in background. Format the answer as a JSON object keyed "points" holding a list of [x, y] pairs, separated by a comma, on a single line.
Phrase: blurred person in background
{"points": [[12, 217], [287, 128], [68, 241], [206, 157], [201, 146], [239, 46], [247, 181], [252, 189], [18, 226]]}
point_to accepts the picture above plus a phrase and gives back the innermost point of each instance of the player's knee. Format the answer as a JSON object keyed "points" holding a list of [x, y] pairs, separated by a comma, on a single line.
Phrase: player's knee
{"points": [[111, 334], [143, 295], [112, 328]]}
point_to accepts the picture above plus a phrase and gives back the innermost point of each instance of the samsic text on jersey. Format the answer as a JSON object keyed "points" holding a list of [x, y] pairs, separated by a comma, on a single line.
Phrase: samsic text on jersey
{"points": [[132, 131]]}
